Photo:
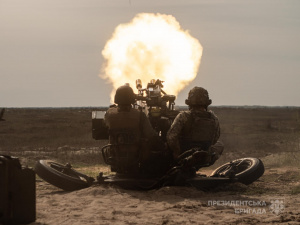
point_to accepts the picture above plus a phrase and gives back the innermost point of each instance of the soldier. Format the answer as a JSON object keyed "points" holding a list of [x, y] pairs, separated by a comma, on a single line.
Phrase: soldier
{"points": [[197, 130], [134, 143]]}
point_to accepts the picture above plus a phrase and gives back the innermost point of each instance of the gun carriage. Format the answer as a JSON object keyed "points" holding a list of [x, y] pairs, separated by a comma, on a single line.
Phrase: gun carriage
{"points": [[160, 109]]}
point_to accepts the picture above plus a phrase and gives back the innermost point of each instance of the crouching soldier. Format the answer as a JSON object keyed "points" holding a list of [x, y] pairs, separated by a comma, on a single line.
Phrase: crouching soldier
{"points": [[134, 146], [193, 136]]}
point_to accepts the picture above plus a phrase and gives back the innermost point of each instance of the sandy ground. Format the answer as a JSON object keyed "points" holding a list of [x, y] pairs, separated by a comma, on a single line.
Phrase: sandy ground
{"points": [[231, 204]]}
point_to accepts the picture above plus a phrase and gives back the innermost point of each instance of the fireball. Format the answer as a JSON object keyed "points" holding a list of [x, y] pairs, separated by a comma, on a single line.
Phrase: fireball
{"points": [[151, 46]]}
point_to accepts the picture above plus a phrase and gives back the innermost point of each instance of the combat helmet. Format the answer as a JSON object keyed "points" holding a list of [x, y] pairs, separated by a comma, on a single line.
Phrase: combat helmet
{"points": [[124, 95], [198, 96]]}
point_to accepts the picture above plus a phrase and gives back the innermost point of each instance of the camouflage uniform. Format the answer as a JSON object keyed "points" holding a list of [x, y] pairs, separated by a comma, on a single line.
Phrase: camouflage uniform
{"points": [[122, 119], [193, 129], [196, 132], [134, 141]]}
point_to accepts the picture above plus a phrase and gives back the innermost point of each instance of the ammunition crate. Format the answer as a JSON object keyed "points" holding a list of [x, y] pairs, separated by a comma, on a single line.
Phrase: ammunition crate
{"points": [[99, 129]]}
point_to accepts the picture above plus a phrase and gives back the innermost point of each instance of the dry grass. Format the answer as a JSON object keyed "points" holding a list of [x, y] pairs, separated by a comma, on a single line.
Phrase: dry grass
{"points": [[32, 129], [65, 134], [295, 190], [290, 159], [60, 133]]}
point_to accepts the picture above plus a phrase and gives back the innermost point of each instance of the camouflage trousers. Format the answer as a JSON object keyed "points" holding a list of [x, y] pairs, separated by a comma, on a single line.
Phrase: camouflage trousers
{"points": [[217, 149]]}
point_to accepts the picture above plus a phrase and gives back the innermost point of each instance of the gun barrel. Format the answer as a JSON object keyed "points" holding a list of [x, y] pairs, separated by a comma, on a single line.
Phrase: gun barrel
{"points": [[138, 83]]}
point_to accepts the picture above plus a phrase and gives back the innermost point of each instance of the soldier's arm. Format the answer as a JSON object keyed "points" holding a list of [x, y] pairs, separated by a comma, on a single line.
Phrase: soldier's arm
{"points": [[148, 131], [217, 127], [106, 117], [174, 134]]}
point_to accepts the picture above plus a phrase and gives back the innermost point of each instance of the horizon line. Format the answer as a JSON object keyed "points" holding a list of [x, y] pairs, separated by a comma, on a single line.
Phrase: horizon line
{"points": [[182, 106]]}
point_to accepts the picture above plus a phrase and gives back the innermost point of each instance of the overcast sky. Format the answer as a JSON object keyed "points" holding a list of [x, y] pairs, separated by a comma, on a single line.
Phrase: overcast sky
{"points": [[50, 50]]}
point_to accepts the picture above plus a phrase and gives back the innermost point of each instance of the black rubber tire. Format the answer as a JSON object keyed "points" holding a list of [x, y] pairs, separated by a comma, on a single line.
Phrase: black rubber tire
{"points": [[254, 170], [59, 179]]}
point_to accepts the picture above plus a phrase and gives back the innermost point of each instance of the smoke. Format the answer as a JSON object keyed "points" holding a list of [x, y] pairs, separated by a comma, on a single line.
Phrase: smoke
{"points": [[151, 46]]}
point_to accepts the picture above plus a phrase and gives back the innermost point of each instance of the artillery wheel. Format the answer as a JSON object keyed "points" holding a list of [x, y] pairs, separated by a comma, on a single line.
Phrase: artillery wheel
{"points": [[62, 176], [247, 170]]}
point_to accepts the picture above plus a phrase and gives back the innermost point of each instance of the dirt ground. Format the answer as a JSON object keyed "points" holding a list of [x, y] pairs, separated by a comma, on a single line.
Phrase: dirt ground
{"points": [[65, 134], [273, 199]]}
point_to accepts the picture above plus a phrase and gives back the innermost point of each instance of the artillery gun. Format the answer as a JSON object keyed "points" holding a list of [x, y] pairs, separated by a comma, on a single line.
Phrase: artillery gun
{"points": [[157, 105], [160, 109], [153, 101]]}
